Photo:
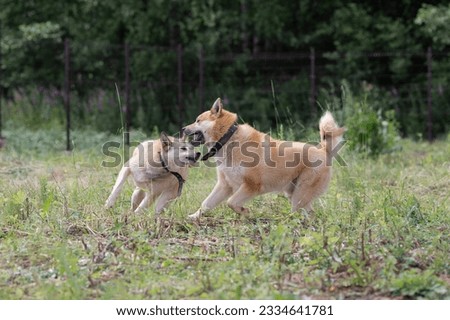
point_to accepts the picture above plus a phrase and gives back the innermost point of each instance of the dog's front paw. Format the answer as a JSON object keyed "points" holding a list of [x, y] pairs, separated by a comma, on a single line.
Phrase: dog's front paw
{"points": [[196, 215], [244, 211], [240, 210], [108, 204]]}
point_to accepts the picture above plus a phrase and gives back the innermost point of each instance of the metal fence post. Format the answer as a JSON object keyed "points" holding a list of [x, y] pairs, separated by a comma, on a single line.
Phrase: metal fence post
{"points": [[201, 70], [180, 85], [312, 78], [67, 91], [127, 95], [429, 95]]}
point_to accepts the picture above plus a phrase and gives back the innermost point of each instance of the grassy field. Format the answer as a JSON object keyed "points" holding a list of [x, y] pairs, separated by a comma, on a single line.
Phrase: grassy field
{"points": [[381, 231]]}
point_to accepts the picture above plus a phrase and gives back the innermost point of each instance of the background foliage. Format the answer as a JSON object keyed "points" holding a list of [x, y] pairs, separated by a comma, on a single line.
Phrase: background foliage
{"points": [[378, 48]]}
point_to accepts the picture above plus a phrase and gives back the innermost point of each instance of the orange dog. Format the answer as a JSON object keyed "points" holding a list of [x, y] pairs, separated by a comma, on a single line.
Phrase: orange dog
{"points": [[250, 163]]}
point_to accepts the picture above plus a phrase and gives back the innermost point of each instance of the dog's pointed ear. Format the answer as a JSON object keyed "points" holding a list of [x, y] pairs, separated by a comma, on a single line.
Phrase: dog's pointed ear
{"points": [[165, 140], [184, 138], [217, 108]]}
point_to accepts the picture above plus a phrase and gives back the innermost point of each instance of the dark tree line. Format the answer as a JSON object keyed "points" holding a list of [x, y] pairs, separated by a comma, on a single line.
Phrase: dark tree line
{"points": [[379, 48]]}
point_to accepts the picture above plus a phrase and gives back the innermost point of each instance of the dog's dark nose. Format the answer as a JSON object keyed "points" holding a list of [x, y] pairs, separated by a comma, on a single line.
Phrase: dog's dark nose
{"points": [[197, 155], [186, 131]]}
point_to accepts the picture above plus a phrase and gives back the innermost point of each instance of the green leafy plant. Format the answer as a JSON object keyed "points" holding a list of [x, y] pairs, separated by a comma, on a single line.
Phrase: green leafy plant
{"points": [[369, 131], [416, 284]]}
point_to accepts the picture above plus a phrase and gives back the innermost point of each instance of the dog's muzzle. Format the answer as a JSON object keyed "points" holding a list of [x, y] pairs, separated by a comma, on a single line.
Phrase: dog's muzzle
{"points": [[195, 158], [195, 138]]}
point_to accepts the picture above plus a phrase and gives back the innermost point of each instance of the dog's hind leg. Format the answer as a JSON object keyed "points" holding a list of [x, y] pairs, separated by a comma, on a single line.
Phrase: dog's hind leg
{"points": [[123, 174], [136, 198], [145, 203], [290, 188], [149, 197], [302, 197], [306, 192], [164, 200]]}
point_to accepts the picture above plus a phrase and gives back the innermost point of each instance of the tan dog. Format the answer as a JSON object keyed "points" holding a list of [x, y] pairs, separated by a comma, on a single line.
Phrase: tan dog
{"points": [[250, 163], [159, 169]]}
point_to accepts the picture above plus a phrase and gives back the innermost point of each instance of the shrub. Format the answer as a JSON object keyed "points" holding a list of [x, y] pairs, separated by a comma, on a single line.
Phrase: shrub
{"points": [[370, 131], [415, 284]]}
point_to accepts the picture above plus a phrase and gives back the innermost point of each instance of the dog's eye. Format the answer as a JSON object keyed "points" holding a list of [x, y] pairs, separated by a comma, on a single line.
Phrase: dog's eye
{"points": [[184, 148], [198, 120]]}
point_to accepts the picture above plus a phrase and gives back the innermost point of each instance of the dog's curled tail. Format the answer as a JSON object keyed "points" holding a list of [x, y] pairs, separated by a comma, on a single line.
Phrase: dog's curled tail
{"points": [[121, 178], [330, 133]]}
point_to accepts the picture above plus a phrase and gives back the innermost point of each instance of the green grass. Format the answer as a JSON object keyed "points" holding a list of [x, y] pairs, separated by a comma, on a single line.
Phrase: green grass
{"points": [[381, 231]]}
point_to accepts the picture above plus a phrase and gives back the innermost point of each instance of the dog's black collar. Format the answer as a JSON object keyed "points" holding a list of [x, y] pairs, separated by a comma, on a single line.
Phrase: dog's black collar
{"points": [[176, 174], [219, 144]]}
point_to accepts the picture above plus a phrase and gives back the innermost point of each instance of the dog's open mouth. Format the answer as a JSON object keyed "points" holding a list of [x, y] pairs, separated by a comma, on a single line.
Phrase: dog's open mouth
{"points": [[196, 138], [194, 159]]}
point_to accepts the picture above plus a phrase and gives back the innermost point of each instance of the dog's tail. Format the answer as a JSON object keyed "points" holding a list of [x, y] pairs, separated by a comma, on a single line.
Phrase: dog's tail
{"points": [[123, 174], [330, 133]]}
